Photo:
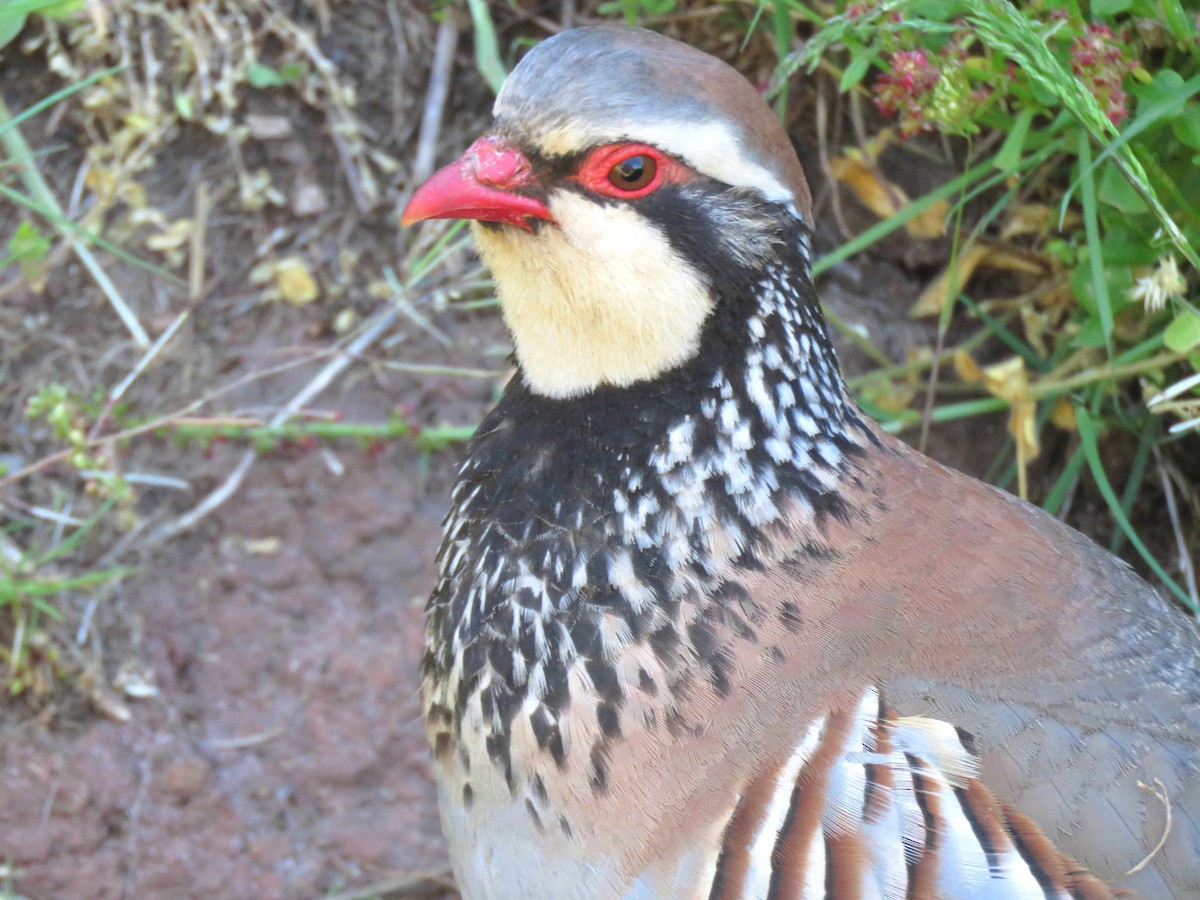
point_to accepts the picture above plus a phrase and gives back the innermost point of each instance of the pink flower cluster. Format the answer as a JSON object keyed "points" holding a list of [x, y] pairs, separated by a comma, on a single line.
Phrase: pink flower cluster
{"points": [[905, 90], [1101, 61]]}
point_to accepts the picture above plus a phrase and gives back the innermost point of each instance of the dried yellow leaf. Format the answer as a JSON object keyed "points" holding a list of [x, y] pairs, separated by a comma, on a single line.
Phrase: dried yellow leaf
{"points": [[864, 181], [173, 237], [966, 368], [1022, 424], [267, 546], [100, 178], [1007, 380], [1062, 414], [1036, 324], [1011, 260], [941, 289], [1010, 382], [890, 396], [857, 169], [1035, 218], [930, 223], [295, 282]]}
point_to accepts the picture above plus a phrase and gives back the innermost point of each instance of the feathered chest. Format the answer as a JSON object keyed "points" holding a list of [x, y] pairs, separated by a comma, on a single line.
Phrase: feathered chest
{"points": [[593, 549]]}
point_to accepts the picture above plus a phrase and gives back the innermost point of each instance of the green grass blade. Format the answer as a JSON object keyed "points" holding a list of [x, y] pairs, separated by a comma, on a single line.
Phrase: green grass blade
{"points": [[88, 237], [487, 47], [977, 178], [759, 8], [887, 226], [1088, 431], [46, 102], [782, 33], [431, 257], [1137, 475], [1057, 496], [1010, 340], [1001, 25], [50, 587], [1146, 117], [63, 548], [1091, 225]]}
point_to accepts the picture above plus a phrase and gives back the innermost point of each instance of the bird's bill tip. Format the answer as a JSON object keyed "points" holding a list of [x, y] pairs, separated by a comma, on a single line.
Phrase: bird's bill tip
{"points": [[481, 186]]}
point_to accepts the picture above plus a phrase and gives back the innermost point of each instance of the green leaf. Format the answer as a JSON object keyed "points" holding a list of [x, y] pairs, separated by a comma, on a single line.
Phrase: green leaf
{"points": [[54, 8], [1186, 127], [261, 76], [1106, 8], [10, 27], [27, 243], [184, 106], [1113, 189], [1088, 433], [1163, 88], [1090, 336], [28, 247], [1010, 153], [291, 73], [856, 70], [1183, 333]]}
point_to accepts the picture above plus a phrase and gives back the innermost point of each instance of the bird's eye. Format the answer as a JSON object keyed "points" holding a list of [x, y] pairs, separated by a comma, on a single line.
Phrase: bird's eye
{"points": [[634, 173], [627, 171]]}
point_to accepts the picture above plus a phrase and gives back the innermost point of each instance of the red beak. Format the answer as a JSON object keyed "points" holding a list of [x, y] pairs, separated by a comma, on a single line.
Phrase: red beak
{"points": [[482, 185]]}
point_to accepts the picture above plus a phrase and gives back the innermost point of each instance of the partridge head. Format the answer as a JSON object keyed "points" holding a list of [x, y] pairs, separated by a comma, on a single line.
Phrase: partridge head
{"points": [[701, 628]]}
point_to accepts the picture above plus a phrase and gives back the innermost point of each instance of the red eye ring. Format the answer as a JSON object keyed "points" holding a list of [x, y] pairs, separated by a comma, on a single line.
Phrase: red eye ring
{"points": [[628, 171]]}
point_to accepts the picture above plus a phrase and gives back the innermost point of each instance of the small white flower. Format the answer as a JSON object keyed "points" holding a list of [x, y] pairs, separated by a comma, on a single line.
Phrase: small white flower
{"points": [[1165, 282]]}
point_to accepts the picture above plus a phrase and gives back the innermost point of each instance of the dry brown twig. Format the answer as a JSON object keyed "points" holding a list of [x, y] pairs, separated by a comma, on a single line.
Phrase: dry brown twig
{"points": [[435, 98], [409, 884], [371, 331]]}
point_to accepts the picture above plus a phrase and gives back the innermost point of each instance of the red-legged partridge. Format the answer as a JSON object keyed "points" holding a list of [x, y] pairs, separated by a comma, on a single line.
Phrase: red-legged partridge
{"points": [[704, 630]]}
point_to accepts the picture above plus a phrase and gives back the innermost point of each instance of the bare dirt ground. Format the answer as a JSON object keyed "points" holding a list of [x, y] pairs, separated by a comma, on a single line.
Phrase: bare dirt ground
{"points": [[280, 752]]}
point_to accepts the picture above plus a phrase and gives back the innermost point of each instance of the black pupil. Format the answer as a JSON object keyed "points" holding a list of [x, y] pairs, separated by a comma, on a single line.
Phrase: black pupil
{"points": [[632, 169], [633, 173]]}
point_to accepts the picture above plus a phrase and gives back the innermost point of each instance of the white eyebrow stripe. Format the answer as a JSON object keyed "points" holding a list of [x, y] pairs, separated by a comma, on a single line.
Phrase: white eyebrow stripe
{"points": [[712, 149]]}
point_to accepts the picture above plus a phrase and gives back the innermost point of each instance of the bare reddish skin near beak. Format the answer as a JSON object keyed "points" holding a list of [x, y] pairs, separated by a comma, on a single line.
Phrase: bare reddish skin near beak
{"points": [[479, 186]]}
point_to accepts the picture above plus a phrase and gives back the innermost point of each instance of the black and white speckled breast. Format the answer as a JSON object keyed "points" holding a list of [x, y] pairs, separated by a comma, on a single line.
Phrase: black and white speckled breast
{"points": [[582, 527]]}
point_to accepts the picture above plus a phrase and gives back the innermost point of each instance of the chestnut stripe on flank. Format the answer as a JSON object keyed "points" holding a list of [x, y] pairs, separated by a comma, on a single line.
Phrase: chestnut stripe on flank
{"points": [[881, 782], [1038, 852], [749, 817], [718, 880], [922, 871], [984, 816], [793, 855], [847, 860], [743, 864], [1055, 872], [781, 864], [1086, 886]]}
